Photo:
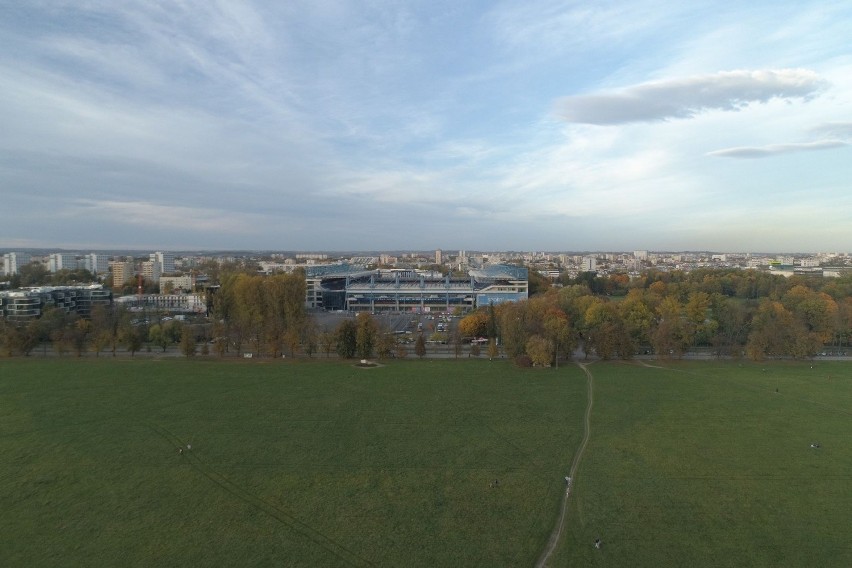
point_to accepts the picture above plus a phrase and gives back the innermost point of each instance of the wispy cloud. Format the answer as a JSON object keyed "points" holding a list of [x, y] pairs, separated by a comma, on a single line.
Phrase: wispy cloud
{"points": [[841, 130], [689, 96], [776, 149], [156, 216]]}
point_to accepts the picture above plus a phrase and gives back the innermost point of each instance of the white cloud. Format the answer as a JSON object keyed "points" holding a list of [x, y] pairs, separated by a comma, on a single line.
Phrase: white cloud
{"points": [[776, 149], [689, 96]]}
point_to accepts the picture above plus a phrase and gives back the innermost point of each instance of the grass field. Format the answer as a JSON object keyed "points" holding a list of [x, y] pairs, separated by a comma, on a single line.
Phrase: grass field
{"points": [[326, 464], [292, 464], [705, 464]]}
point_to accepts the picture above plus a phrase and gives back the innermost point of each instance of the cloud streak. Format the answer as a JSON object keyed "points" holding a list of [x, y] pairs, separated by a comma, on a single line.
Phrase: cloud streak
{"points": [[776, 149], [689, 96]]}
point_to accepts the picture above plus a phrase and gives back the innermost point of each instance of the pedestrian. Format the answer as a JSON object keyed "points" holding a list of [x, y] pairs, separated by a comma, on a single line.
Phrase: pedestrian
{"points": [[597, 543]]}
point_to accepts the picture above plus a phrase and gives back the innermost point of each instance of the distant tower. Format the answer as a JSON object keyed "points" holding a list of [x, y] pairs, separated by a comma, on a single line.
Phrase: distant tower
{"points": [[438, 257]]}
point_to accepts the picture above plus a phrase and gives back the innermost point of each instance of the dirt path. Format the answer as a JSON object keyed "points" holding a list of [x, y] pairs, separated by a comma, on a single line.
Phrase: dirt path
{"points": [[553, 542]]}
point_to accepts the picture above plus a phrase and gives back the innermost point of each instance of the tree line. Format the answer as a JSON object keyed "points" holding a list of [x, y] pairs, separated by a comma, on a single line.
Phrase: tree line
{"points": [[728, 313], [725, 312], [108, 329]]}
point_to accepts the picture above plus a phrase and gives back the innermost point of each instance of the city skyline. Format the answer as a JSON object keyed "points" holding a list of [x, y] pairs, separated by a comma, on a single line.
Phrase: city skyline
{"points": [[535, 125]]}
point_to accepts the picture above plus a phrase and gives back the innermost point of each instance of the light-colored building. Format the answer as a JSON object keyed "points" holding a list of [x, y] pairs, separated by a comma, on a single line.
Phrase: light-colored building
{"points": [[96, 263], [13, 261], [169, 284], [439, 256], [62, 261], [151, 270], [589, 264], [166, 261], [122, 271], [165, 302]]}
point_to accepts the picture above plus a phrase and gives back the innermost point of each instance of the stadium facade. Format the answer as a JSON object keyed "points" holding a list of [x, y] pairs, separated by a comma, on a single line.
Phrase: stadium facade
{"points": [[353, 288]]}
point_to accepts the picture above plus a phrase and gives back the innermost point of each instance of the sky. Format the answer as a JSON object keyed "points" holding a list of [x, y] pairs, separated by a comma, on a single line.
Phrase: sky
{"points": [[532, 125]]}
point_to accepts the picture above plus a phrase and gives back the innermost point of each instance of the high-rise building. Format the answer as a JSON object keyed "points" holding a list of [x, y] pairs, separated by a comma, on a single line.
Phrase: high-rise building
{"points": [[13, 261], [62, 261], [438, 257], [151, 270], [166, 261], [96, 263], [589, 264], [122, 271]]}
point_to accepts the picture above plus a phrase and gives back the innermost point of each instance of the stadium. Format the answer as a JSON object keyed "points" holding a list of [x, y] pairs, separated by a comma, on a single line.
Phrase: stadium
{"points": [[352, 288]]}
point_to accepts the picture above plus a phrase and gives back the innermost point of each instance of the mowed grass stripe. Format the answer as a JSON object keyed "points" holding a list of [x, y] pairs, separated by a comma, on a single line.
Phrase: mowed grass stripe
{"points": [[387, 467]]}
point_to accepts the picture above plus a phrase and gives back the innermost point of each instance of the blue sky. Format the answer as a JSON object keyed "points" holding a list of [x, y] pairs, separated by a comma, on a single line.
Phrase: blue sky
{"points": [[379, 125]]}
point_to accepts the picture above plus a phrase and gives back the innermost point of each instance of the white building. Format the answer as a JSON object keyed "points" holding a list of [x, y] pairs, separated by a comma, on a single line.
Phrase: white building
{"points": [[13, 261], [166, 261], [589, 264], [62, 261], [175, 283], [96, 263]]}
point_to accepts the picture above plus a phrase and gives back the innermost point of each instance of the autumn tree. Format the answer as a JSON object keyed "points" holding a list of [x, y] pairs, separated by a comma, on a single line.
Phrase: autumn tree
{"points": [[774, 332], [540, 350], [493, 350], [187, 341], [346, 338], [606, 333], [365, 336], [475, 324], [637, 316], [420, 346], [672, 334], [327, 342]]}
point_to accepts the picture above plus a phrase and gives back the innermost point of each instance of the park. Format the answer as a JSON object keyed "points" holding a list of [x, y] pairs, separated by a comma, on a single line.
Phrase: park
{"points": [[423, 463]]}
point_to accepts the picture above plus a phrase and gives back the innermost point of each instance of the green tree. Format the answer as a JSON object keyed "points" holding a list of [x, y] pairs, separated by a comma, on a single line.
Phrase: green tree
{"points": [[637, 316], [159, 337]]}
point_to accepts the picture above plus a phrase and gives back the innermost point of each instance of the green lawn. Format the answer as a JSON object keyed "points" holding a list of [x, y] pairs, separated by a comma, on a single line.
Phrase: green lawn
{"points": [[325, 464], [292, 464], [704, 464]]}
